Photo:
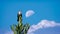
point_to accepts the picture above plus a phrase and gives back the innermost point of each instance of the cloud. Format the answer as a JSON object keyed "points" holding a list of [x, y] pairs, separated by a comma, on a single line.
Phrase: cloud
{"points": [[29, 13], [42, 24], [9, 32]]}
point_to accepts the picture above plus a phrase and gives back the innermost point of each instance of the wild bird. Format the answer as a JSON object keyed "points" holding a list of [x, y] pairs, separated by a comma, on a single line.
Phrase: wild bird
{"points": [[19, 14], [20, 28]]}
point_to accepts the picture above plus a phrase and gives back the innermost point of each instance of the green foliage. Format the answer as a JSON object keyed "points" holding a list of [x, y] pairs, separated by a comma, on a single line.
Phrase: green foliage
{"points": [[20, 28]]}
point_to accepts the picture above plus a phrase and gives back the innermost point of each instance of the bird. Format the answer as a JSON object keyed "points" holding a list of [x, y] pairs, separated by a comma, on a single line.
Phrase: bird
{"points": [[18, 15]]}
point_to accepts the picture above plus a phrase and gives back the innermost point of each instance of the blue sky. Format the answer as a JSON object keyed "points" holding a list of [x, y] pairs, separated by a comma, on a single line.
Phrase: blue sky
{"points": [[44, 10]]}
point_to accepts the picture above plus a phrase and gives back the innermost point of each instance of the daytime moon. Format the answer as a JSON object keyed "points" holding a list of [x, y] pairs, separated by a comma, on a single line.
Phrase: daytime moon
{"points": [[29, 13]]}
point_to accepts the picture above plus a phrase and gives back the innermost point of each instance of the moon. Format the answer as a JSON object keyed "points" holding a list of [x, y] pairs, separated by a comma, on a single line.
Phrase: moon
{"points": [[29, 13]]}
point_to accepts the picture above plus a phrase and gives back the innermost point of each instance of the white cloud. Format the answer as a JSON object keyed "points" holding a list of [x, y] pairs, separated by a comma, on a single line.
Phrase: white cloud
{"points": [[42, 24], [29, 13], [9, 32]]}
